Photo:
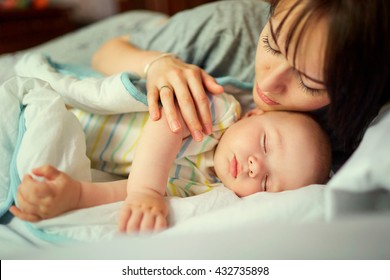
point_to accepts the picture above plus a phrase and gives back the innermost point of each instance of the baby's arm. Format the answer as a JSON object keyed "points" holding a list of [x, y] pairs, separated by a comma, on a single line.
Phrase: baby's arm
{"points": [[59, 193], [145, 208]]}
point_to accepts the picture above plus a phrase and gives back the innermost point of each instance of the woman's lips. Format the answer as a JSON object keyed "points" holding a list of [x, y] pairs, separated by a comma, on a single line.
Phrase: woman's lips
{"points": [[265, 98]]}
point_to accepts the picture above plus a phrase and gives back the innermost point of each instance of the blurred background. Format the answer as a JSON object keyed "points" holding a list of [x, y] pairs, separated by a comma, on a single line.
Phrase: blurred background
{"points": [[26, 23]]}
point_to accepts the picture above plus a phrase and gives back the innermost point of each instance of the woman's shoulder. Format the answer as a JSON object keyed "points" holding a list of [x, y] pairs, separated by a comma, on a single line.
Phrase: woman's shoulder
{"points": [[228, 12]]}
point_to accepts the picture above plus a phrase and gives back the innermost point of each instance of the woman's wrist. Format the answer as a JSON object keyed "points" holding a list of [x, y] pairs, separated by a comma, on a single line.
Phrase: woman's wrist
{"points": [[157, 58]]}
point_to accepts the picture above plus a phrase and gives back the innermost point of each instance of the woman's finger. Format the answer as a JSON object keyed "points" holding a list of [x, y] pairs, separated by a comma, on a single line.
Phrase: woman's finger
{"points": [[202, 103], [211, 84], [187, 106], [153, 97], [168, 102]]}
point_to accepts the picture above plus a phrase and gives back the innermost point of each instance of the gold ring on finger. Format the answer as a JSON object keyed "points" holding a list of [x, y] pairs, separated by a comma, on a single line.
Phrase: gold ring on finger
{"points": [[165, 86]]}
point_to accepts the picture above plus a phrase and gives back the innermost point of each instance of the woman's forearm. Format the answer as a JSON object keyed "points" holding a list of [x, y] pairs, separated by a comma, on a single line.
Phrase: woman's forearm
{"points": [[118, 55]]}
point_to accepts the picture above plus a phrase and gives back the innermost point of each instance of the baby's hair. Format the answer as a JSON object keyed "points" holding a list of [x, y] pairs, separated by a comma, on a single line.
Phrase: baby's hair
{"points": [[323, 147], [324, 153]]}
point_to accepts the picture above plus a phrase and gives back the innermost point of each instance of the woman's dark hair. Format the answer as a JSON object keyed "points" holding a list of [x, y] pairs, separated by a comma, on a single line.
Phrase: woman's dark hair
{"points": [[357, 59]]}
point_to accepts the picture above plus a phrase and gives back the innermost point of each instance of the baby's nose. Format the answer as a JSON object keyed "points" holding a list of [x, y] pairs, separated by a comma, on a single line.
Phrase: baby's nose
{"points": [[255, 166]]}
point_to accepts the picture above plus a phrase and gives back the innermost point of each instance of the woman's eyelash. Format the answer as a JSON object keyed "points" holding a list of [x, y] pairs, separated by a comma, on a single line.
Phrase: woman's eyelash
{"points": [[307, 89], [265, 143], [268, 47]]}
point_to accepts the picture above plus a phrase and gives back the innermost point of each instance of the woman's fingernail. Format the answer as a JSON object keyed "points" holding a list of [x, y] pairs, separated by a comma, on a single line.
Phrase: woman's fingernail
{"points": [[154, 115], [175, 125], [208, 129], [198, 135]]}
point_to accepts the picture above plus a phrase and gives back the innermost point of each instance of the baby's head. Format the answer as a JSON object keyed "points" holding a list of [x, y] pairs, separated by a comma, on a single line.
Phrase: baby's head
{"points": [[273, 152]]}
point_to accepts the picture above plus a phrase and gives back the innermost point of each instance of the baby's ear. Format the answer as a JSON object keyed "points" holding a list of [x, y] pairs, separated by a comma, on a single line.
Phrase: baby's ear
{"points": [[254, 112]]}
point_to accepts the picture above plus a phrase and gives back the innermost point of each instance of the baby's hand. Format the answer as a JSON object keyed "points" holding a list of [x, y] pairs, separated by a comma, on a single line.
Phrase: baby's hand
{"points": [[143, 211], [38, 200]]}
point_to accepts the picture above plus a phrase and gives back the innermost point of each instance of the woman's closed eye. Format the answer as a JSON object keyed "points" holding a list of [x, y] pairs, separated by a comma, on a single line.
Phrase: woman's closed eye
{"points": [[307, 89], [268, 47], [302, 85]]}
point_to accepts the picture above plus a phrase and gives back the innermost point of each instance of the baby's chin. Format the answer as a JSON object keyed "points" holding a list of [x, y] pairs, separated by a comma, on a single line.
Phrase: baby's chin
{"points": [[231, 189]]}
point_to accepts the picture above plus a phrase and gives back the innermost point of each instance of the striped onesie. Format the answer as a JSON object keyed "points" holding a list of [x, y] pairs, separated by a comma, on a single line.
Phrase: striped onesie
{"points": [[112, 140]]}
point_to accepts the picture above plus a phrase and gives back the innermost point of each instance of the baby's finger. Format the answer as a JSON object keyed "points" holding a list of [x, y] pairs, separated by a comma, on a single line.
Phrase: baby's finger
{"points": [[124, 216], [133, 224], [28, 210], [147, 223], [153, 99], [160, 223], [24, 204], [35, 192], [47, 171], [24, 216]]}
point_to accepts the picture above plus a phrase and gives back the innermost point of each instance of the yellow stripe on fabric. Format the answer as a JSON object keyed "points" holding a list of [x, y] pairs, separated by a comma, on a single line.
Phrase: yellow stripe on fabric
{"points": [[99, 135], [193, 180], [78, 113], [82, 116], [202, 149], [209, 188], [95, 120], [199, 159], [172, 188]]}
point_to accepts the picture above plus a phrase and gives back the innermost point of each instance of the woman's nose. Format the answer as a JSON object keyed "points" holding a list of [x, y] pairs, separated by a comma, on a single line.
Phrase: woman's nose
{"points": [[255, 166], [276, 78]]}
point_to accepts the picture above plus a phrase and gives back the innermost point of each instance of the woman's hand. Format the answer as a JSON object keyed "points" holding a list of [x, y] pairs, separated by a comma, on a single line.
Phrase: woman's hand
{"points": [[171, 80]]}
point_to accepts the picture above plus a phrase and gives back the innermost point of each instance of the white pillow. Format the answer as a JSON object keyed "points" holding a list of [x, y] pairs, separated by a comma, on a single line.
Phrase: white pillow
{"points": [[363, 183]]}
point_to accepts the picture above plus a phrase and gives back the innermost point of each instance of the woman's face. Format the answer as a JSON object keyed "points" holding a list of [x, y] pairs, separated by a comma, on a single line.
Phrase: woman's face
{"points": [[285, 83]]}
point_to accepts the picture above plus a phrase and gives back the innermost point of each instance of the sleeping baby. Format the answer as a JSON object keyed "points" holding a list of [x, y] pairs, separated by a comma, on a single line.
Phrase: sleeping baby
{"points": [[261, 152]]}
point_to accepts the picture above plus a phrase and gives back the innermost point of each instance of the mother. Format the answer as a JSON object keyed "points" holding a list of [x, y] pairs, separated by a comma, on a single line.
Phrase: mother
{"points": [[311, 54]]}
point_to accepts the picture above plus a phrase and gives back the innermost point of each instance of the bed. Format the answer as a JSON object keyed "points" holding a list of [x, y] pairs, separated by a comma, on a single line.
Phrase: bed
{"points": [[348, 218]]}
